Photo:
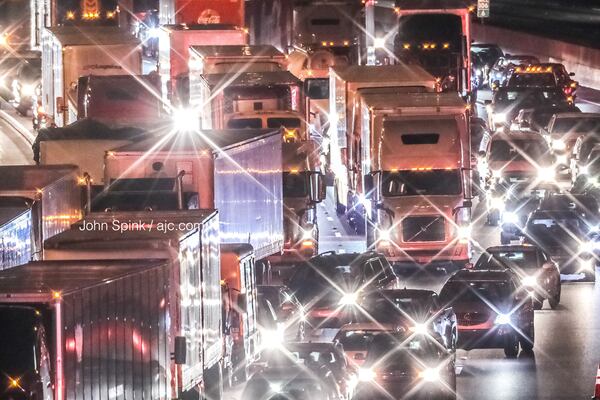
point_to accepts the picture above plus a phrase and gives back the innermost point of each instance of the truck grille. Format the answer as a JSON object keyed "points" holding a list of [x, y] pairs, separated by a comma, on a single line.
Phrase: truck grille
{"points": [[423, 229]]}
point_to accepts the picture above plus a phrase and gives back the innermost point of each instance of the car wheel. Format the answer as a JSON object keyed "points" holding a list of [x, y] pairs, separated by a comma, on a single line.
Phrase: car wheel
{"points": [[590, 276], [555, 300], [511, 346], [528, 341], [538, 304]]}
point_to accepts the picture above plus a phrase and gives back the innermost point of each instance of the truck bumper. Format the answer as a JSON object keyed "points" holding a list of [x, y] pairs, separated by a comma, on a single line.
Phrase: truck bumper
{"points": [[423, 255]]}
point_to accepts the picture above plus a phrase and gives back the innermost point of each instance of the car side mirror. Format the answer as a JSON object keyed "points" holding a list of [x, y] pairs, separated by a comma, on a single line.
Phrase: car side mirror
{"points": [[60, 104], [469, 265], [180, 350]]}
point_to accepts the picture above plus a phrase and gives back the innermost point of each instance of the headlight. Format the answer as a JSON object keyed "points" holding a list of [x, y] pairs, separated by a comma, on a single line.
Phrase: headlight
{"points": [[587, 265], [366, 375], [558, 144], [464, 233], [499, 118], [561, 159], [584, 170], [502, 319], [275, 387], [271, 338], [419, 329], [587, 247], [510, 217], [28, 90], [546, 174], [430, 375], [348, 299], [529, 281], [497, 174], [497, 203], [307, 234]]}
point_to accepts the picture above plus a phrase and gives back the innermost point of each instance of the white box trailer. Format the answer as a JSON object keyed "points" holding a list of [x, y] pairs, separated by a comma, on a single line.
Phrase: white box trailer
{"points": [[189, 242], [69, 52], [36, 203], [238, 172]]}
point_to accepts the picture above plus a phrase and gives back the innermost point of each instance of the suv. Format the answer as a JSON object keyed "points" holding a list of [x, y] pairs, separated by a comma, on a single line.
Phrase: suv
{"points": [[504, 66], [330, 284], [493, 310]]}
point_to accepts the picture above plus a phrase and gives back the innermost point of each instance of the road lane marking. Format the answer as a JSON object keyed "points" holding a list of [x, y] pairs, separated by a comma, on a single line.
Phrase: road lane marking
{"points": [[329, 219], [338, 234]]}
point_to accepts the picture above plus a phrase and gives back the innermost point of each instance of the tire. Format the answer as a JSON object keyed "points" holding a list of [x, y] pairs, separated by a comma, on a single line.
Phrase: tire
{"points": [[213, 383], [493, 218], [228, 377], [554, 301], [339, 207], [590, 276], [511, 346], [527, 342], [504, 239]]}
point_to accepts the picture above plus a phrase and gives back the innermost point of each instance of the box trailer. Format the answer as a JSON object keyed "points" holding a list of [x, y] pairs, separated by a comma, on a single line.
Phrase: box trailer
{"points": [[82, 143], [69, 52], [205, 12], [36, 203], [226, 170], [174, 42], [189, 241]]}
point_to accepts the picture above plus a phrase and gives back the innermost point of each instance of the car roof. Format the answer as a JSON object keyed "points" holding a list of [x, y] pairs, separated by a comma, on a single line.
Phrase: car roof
{"points": [[511, 247], [465, 275]]}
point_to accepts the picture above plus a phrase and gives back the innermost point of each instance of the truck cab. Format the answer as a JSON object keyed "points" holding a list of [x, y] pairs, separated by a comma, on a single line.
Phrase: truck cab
{"points": [[235, 58], [293, 123], [413, 154]]}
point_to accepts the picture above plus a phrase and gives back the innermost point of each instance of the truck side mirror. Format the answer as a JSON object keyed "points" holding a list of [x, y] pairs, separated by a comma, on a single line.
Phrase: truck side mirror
{"points": [[242, 301], [487, 102], [60, 104], [369, 185], [322, 187], [317, 186], [180, 350]]}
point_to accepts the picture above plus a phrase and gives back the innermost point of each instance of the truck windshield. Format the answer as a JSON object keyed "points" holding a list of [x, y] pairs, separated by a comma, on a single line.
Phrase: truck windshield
{"points": [[422, 183], [295, 184], [18, 332], [519, 150], [244, 123], [430, 28], [283, 122], [317, 89]]}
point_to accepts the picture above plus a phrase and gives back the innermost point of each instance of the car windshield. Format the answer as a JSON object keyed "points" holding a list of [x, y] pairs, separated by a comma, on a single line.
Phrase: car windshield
{"points": [[244, 123], [18, 327], [295, 184], [566, 125], [358, 340], [393, 352], [317, 89], [382, 308], [421, 183], [532, 80], [283, 122], [530, 98], [514, 259], [519, 150], [487, 54], [496, 293]]}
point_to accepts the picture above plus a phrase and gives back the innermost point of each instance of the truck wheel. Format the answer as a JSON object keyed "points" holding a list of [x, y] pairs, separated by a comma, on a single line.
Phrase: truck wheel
{"points": [[504, 239], [511, 346], [228, 376], [339, 207], [493, 218], [554, 301], [590, 276], [213, 383], [528, 340], [538, 304], [240, 371]]}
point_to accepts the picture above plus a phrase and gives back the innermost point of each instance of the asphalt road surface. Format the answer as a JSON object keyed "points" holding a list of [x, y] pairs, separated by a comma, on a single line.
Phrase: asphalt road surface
{"points": [[15, 138]]}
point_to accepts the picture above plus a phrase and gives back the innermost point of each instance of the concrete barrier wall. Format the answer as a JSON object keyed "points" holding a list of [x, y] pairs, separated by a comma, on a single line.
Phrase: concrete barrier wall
{"points": [[584, 61]]}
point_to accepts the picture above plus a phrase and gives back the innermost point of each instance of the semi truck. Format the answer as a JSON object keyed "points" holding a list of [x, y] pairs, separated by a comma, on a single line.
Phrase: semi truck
{"points": [[84, 144], [69, 52], [235, 58], [346, 83], [174, 42], [202, 12], [120, 100], [218, 97], [414, 165], [437, 35], [226, 170], [36, 203], [169, 326]]}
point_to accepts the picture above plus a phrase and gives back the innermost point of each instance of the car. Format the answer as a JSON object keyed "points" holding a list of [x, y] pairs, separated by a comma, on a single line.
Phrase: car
{"points": [[504, 65], [564, 234], [27, 85], [544, 74], [488, 54], [585, 179], [288, 308], [537, 118], [329, 285], [576, 133], [356, 337], [402, 366], [516, 161], [418, 311], [507, 102], [493, 310], [316, 371], [271, 330], [538, 272]]}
